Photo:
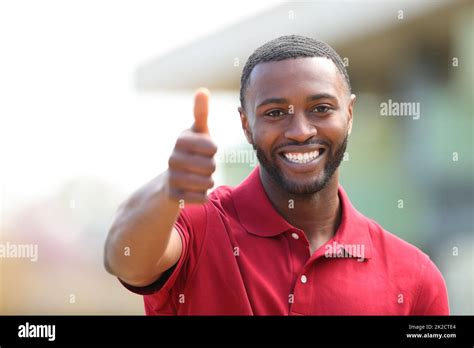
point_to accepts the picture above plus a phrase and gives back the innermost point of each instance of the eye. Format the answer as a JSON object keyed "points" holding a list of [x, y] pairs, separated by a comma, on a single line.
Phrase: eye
{"points": [[275, 113], [322, 109]]}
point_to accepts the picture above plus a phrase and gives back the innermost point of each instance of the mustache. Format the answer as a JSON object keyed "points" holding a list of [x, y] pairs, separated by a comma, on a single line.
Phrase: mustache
{"points": [[306, 143]]}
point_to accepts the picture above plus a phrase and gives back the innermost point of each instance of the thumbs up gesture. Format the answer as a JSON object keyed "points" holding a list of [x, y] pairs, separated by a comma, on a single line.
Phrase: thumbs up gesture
{"points": [[192, 163]]}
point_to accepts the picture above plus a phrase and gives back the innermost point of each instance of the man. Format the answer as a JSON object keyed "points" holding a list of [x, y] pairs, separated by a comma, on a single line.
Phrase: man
{"points": [[287, 240]]}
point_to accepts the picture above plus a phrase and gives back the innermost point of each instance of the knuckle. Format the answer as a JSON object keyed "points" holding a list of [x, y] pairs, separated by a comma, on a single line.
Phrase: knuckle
{"points": [[211, 182], [212, 167], [213, 147], [210, 170]]}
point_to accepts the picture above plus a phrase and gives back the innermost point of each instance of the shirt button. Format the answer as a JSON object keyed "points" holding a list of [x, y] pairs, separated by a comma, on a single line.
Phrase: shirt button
{"points": [[295, 235], [304, 279]]}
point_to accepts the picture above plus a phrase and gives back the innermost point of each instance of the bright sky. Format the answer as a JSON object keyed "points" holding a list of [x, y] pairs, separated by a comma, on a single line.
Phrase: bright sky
{"points": [[68, 106]]}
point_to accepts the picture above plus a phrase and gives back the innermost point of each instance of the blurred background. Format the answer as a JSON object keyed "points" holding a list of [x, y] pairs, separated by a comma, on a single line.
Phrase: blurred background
{"points": [[94, 93]]}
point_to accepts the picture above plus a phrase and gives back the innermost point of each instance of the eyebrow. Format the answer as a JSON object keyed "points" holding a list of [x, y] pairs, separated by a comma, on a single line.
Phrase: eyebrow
{"points": [[273, 101], [285, 101], [321, 96]]}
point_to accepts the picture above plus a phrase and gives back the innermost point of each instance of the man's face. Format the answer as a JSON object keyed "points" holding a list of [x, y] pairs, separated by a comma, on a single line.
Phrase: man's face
{"points": [[298, 114]]}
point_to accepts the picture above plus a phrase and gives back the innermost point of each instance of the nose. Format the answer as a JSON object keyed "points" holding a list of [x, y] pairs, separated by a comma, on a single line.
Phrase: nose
{"points": [[300, 129]]}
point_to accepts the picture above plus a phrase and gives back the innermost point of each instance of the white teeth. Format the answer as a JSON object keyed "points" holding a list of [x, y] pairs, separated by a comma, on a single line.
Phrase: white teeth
{"points": [[302, 157]]}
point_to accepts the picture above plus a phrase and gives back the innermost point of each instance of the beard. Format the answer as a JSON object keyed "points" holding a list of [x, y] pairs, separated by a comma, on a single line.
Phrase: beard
{"points": [[332, 163]]}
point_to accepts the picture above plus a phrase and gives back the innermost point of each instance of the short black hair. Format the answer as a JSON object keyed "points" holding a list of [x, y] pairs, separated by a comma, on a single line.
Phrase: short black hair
{"points": [[286, 47]]}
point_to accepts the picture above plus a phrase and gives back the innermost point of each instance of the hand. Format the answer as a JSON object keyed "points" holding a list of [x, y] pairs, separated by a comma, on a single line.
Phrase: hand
{"points": [[192, 163]]}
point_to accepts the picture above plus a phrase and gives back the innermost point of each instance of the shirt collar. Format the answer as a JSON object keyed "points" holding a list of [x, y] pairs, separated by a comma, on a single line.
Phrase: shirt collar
{"points": [[258, 216]]}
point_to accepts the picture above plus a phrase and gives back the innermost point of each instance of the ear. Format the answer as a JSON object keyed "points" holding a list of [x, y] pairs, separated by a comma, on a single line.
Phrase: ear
{"points": [[350, 110], [245, 125]]}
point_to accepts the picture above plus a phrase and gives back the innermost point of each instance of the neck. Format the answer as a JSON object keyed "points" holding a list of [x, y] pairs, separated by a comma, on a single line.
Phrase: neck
{"points": [[318, 215]]}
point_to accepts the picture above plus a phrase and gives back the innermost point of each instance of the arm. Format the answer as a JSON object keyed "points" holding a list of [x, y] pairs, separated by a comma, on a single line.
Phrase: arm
{"points": [[142, 242]]}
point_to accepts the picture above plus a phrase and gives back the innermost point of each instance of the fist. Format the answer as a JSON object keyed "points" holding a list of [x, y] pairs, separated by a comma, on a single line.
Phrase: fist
{"points": [[192, 163]]}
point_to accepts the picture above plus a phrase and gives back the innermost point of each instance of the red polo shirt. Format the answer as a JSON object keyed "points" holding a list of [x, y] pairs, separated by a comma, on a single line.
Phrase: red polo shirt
{"points": [[240, 257]]}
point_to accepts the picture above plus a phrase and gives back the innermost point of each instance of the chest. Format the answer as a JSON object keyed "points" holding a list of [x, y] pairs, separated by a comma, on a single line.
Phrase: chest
{"points": [[277, 276]]}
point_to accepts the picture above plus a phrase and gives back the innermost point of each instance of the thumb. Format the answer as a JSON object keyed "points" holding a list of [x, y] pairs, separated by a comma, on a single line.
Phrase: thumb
{"points": [[201, 109]]}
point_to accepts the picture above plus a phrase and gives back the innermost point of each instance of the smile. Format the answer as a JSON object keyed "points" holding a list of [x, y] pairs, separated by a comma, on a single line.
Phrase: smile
{"points": [[302, 157]]}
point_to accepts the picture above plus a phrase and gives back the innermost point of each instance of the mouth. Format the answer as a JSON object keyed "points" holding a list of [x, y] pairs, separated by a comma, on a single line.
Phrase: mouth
{"points": [[302, 156], [302, 159]]}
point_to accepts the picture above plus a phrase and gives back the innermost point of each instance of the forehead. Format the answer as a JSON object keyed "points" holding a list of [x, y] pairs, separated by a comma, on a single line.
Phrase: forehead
{"points": [[294, 77]]}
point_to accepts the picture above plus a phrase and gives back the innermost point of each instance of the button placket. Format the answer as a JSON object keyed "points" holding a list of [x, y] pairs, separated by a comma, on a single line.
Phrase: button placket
{"points": [[300, 254], [303, 293]]}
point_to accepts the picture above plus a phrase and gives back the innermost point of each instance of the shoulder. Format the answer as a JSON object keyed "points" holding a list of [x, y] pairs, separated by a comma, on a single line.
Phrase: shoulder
{"points": [[218, 200], [391, 247], [197, 216], [413, 269], [221, 195]]}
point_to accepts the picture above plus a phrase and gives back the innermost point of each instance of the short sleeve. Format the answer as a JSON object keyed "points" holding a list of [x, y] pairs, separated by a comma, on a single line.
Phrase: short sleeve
{"points": [[432, 298]]}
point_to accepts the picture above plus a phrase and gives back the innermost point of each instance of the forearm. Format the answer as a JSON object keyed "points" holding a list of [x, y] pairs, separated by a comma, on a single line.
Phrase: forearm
{"points": [[140, 233]]}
